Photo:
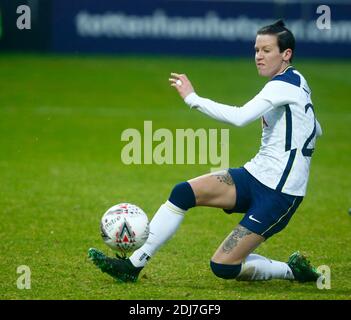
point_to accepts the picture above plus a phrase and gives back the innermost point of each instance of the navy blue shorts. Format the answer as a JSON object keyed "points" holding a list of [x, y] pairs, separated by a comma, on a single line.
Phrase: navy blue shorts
{"points": [[267, 211]]}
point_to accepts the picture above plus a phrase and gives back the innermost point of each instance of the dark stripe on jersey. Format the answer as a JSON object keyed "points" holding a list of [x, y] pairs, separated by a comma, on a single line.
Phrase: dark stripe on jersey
{"points": [[286, 170], [288, 135], [306, 91]]}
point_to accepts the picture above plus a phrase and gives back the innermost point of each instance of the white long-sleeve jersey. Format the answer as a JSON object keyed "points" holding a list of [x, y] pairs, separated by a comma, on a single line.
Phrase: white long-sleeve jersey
{"points": [[289, 130]]}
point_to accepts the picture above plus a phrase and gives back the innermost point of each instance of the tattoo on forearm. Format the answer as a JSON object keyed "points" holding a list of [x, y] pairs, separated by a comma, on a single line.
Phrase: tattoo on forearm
{"points": [[238, 233], [225, 177]]}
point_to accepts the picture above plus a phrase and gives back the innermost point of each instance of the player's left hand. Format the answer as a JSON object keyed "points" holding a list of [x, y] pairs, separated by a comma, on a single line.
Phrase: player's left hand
{"points": [[181, 83]]}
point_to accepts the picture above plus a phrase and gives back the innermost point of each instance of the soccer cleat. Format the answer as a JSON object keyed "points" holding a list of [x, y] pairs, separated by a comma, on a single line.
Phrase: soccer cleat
{"points": [[302, 269], [119, 268]]}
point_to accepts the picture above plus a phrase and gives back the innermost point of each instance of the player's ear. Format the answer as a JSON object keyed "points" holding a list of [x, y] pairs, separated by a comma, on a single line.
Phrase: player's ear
{"points": [[287, 54]]}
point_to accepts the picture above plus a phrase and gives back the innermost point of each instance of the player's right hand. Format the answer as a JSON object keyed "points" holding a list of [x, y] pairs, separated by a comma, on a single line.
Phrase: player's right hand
{"points": [[181, 83]]}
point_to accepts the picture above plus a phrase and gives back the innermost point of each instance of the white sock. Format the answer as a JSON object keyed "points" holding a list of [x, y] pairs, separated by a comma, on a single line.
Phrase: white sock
{"points": [[256, 267], [162, 226]]}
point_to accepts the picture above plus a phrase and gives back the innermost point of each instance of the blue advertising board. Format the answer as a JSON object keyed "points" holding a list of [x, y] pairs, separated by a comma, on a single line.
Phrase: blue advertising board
{"points": [[196, 27]]}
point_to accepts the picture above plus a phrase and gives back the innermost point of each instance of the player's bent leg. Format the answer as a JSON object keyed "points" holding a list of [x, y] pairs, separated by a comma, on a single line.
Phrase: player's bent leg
{"points": [[214, 190], [234, 260], [226, 263], [237, 246]]}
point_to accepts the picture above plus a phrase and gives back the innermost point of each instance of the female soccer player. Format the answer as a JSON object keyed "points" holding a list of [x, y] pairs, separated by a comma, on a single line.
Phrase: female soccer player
{"points": [[268, 189]]}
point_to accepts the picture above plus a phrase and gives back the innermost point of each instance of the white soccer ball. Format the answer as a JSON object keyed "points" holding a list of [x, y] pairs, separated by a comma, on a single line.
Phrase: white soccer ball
{"points": [[124, 227]]}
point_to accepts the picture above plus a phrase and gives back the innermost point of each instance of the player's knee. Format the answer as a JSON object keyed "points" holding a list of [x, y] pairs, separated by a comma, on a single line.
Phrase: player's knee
{"points": [[183, 196], [225, 271]]}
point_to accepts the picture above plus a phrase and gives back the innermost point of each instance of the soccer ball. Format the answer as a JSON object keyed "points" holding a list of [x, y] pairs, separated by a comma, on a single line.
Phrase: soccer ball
{"points": [[124, 227]]}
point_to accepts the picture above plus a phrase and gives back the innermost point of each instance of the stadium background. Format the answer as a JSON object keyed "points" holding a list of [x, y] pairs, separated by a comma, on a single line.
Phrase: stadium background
{"points": [[86, 71]]}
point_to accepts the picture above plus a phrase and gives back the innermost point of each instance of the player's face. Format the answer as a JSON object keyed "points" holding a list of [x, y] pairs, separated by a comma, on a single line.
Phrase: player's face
{"points": [[269, 60]]}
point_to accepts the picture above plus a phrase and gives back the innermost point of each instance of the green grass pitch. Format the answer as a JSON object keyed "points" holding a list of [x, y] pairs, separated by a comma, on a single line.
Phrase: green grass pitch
{"points": [[61, 120]]}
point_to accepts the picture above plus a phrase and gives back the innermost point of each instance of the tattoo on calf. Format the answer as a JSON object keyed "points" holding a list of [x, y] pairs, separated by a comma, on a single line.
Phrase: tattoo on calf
{"points": [[238, 233], [225, 177]]}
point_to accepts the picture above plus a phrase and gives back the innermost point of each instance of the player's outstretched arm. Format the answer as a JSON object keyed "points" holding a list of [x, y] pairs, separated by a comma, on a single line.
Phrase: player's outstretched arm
{"points": [[222, 112]]}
